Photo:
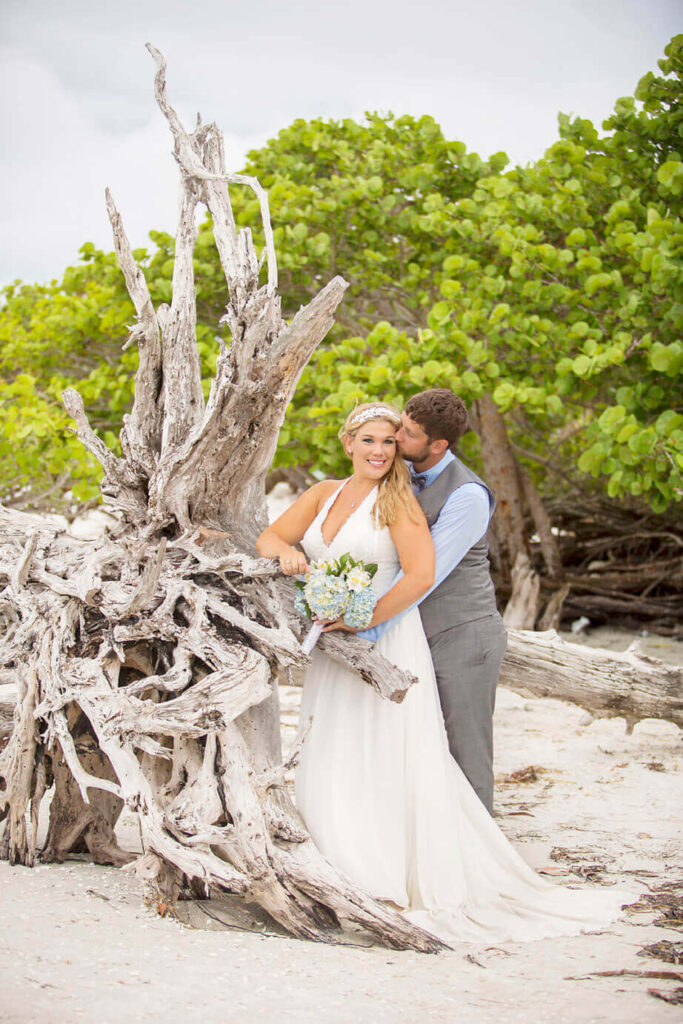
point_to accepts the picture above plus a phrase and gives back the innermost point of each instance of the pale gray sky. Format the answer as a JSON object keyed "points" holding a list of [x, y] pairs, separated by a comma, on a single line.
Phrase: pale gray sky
{"points": [[78, 113]]}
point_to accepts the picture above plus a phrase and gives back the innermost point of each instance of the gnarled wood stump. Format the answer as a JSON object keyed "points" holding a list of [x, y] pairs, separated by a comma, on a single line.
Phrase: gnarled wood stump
{"points": [[146, 662]]}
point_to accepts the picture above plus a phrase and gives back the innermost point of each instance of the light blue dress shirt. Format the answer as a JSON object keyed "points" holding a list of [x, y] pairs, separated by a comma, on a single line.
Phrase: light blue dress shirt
{"points": [[463, 521]]}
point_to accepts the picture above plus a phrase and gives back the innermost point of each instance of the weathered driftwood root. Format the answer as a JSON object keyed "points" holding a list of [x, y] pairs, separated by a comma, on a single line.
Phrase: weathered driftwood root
{"points": [[19, 770], [623, 564], [74, 825], [633, 684], [147, 663], [8, 700], [157, 709]]}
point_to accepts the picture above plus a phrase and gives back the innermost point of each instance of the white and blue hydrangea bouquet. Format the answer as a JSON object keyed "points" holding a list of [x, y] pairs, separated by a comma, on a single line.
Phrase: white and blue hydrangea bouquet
{"points": [[333, 589]]}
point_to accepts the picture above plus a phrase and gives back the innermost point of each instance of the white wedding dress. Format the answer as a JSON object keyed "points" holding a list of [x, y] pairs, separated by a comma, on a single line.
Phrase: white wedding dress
{"points": [[387, 804]]}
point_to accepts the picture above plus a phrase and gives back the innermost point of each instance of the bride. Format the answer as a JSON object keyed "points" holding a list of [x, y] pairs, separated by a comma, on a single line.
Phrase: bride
{"points": [[376, 784]]}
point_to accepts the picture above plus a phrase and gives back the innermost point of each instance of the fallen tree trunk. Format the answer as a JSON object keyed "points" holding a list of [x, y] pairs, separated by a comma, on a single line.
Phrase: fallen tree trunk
{"points": [[146, 663], [631, 685]]}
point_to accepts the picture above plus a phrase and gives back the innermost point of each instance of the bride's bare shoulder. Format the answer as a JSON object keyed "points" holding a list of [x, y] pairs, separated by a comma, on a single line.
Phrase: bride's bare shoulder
{"points": [[321, 491], [298, 517], [327, 486]]}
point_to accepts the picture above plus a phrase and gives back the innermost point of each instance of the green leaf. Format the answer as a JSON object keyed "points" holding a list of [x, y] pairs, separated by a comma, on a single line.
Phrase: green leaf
{"points": [[505, 394], [576, 237], [670, 174], [581, 366], [439, 315], [500, 312], [666, 358], [379, 375], [597, 281]]}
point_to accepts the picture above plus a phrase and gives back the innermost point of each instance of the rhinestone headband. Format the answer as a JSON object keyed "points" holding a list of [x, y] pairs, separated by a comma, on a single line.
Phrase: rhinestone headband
{"points": [[375, 412]]}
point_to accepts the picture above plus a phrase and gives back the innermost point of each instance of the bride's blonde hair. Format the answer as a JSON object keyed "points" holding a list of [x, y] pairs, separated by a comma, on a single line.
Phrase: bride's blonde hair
{"points": [[394, 491]]}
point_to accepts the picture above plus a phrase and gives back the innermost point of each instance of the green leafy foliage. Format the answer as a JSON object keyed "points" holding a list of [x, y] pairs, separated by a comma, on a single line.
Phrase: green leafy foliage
{"points": [[560, 294], [40, 454], [65, 334], [71, 333], [369, 201], [556, 288]]}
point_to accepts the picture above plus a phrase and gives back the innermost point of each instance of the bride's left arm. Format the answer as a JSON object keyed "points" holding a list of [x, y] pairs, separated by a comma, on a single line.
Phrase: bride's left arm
{"points": [[413, 542]]}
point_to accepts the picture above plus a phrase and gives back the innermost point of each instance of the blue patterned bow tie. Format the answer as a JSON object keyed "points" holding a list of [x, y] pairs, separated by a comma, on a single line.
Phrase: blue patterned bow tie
{"points": [[420, 481]]}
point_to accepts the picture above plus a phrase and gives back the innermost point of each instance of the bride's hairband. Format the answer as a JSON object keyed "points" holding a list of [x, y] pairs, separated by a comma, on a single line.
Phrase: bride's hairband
{"points": [[375, 412]]}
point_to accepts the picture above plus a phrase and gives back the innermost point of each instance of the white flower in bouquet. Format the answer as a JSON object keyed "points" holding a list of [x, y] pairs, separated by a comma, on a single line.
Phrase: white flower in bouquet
{"points": [[321, 567], [357, 579]]}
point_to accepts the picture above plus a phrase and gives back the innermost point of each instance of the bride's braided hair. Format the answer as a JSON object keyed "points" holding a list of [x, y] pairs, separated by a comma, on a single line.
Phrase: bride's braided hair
{"points": [[394, 491]]}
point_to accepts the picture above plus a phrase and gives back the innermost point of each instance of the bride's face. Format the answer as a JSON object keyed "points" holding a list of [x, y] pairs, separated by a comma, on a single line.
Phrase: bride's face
{"points": [[372, 449]]}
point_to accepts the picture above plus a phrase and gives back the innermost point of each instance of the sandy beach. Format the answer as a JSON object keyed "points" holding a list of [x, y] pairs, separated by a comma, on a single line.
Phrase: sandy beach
{"points": [[602, 808]]}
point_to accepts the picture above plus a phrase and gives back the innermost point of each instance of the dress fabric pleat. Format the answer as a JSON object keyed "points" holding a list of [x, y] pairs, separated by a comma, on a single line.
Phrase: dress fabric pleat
{"points": [[387, 804]]}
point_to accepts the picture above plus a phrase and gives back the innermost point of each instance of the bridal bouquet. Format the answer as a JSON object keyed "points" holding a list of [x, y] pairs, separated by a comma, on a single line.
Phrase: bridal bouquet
{"points": [[334, 589]]}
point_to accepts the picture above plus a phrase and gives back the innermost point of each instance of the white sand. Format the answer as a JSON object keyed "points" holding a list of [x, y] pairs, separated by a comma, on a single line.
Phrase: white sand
{"points": [[77, 944]]}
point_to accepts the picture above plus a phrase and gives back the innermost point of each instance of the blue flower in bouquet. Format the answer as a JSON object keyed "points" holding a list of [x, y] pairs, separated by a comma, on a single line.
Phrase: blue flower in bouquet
{"points": [[334, 588], [326, 596], [359, 611]]}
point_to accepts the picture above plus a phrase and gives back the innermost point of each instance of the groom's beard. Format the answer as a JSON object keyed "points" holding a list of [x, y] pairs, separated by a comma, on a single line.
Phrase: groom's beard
{"points": [[420, 456]]}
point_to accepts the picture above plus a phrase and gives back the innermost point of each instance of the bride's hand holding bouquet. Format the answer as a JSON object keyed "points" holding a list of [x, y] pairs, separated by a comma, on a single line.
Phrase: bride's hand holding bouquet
{"points": [[336, 594]]}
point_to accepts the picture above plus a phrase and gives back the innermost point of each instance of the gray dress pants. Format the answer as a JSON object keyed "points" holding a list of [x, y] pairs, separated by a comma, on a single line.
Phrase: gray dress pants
{"points": [[467, 662]]}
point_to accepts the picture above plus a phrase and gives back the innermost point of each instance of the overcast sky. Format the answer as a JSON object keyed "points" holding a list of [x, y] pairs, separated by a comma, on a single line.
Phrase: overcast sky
{"points": [[78, 110]]}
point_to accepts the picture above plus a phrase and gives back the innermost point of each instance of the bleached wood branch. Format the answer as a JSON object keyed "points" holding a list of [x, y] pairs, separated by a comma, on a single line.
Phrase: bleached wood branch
{"points": [[17, 766], [190, 163], [262, 196], [121, 485], [182, 379], [147, 585], [521, 610], [176, 679], [19, 574], [143, 426], [607, 683], [83, 779], [208, 705]]}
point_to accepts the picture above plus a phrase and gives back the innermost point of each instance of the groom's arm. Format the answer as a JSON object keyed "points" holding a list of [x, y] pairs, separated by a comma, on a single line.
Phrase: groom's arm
{"points": [[462, 522]]}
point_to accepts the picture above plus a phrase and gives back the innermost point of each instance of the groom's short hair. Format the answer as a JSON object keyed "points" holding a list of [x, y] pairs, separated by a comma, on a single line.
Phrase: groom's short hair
{"points": [[440, 413]]}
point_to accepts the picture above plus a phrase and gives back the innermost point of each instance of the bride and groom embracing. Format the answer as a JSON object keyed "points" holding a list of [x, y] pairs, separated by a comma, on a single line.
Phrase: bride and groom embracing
{"points": [[399, 796]]}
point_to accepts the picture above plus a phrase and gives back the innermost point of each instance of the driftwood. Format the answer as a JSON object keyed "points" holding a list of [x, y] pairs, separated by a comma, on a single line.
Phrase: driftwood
{"points": [[522, 608], [632, 685], [146, 662], [621, 564], [7, 704]]}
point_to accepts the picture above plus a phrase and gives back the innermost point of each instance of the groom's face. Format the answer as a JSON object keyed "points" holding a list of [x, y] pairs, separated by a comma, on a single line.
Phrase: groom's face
{"points": [[413, 444]]}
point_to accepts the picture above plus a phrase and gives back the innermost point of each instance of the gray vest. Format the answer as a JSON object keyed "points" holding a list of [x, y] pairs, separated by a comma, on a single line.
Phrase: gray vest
{"points": [[468, 592]]}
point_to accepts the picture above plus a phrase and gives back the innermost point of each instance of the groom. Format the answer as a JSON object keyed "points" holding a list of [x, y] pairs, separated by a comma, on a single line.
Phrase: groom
{"points": [[465, 631]]}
